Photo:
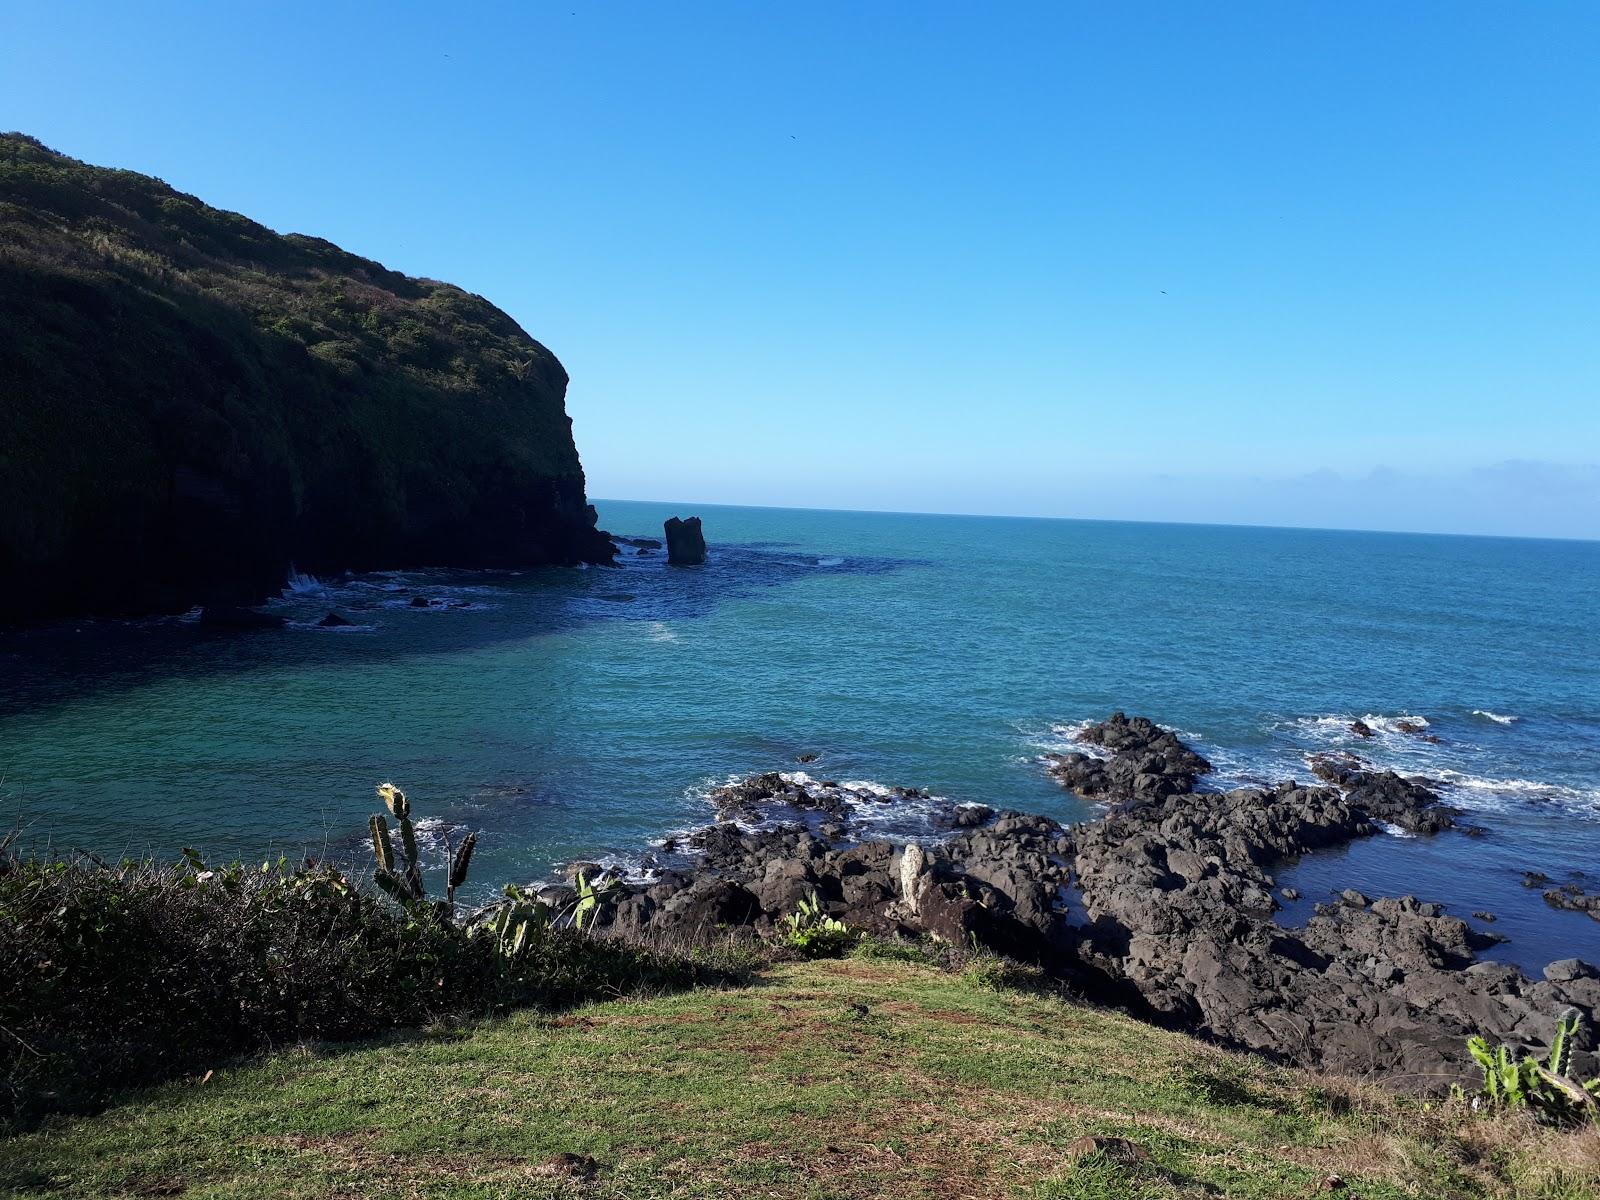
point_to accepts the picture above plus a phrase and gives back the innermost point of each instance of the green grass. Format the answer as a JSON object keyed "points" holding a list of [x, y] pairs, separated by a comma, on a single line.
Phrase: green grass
{"points": [[852, 1078]]}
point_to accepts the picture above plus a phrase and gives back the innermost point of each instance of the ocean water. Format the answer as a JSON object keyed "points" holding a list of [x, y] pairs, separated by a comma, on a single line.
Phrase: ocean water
{"points": [[584, 713]]}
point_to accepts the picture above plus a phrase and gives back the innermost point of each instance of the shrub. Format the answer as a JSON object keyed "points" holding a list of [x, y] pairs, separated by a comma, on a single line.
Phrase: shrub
{"points": [[1543, 1087], [113, 975], [815, 934]]}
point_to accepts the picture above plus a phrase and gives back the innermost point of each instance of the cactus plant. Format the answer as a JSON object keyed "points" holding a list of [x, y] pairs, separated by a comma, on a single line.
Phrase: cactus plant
{"points": [[586, 907], [459, 862], [402, 878], [1545, 1087], [513, 920], [814, 933]]}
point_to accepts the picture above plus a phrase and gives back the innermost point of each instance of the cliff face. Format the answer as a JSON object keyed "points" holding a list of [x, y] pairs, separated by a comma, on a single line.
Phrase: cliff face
{"points": [[189, 402]]}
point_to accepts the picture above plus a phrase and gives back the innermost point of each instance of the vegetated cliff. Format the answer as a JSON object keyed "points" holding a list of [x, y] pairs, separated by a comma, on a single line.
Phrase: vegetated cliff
{"points": [[189, 402]]}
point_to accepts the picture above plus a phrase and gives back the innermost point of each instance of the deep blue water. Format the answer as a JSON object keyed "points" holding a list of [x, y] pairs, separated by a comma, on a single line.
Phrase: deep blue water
{"points": [[584, 712]]}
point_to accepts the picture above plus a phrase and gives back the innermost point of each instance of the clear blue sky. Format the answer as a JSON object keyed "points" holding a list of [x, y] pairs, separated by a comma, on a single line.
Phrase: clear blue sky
{"points": [[1283, 263]]}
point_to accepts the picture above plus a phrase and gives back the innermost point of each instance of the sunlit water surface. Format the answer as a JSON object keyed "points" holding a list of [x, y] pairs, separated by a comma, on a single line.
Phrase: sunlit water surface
{"points": [[570, 713]]}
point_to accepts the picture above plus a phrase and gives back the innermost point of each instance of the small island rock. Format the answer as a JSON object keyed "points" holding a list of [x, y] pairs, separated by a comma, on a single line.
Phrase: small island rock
{"points": [[686, 545]]}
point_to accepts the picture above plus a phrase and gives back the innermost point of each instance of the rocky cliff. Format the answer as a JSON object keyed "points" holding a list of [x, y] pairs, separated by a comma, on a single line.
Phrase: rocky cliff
{"points": [[189, 402]]}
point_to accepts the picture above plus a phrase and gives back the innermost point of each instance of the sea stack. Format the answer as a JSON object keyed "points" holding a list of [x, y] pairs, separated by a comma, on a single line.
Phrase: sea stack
{"points": [[686, 545]]}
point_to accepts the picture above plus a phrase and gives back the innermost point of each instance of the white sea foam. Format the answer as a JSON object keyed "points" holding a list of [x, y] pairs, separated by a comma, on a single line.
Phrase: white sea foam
{"points": [[1336, 728], [1061, 737], [304, 585], [660, 631], [830, 562], [1456, 765], [1394, 830], [435, 836], [630, 867], [1497, 718], [1485, 792], [875, 809]]}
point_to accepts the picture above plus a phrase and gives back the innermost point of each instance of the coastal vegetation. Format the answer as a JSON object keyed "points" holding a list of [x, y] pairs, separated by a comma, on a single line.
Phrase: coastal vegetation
{"points": [[118, 974], [190, 402], [519, 1051]]}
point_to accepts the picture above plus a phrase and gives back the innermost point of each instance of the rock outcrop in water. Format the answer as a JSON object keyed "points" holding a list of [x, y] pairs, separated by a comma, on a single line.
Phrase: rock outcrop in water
{"points": [[1138, 760], [190, 402], [686, 544], [1165, 904]]}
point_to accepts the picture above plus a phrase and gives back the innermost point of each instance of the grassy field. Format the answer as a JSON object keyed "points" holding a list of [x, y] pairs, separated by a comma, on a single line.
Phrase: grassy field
{"points": [[852, 1078]]}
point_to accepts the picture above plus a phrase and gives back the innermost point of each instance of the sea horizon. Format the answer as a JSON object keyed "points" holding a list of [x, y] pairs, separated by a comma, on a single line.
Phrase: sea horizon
{"points": [[900, 512]]}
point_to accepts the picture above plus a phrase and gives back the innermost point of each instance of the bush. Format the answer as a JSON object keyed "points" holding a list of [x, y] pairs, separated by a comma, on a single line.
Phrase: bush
{"points": [[815, 934], [116, 975]]}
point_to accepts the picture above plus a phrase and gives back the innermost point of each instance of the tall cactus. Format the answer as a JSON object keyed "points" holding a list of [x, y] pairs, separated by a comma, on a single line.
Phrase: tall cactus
{"points": [[402, 878], [1546, 1087], [382, 847], [1560, 1058], [459, 862]]}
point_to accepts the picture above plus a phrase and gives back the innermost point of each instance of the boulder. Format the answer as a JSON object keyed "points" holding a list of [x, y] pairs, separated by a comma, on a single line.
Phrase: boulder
{"points": [[333, 621], [1146, 763], [686, 545]]}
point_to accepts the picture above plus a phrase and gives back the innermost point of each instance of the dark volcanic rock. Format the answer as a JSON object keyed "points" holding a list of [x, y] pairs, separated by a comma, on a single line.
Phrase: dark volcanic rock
{"points": [[1336, 766], [1165, 903], [1574, 899], [1146, 762], [686, 545], [333, 621], [1388, 797]]}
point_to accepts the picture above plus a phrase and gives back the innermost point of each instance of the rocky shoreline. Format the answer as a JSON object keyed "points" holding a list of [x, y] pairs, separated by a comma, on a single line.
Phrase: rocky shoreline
{"points": [[1165, 904]]}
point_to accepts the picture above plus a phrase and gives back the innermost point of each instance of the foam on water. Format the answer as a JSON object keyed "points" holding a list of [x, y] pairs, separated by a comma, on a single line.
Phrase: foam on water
{"points": [[1336, 727], [1497, 718], [1497, 795], [303, 585], [1061, 737]]}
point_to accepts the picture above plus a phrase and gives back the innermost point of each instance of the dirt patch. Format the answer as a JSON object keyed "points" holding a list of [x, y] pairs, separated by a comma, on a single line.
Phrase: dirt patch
{"points": [[949, 1016]]}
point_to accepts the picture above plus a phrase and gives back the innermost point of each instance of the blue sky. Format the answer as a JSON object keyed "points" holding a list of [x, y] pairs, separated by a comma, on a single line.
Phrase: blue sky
{"points": [[1303, 264]]}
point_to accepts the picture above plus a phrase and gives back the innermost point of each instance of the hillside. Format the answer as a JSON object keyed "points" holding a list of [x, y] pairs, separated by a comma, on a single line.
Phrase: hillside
{"points": [[189, 402], [853, 1078]]}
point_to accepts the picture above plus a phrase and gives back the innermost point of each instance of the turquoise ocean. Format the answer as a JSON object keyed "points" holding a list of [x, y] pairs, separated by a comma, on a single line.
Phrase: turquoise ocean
{"points": [[584, 713]]}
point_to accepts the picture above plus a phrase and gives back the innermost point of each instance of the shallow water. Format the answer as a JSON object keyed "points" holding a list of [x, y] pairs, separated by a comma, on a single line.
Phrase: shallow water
{"points": [[584, 713]]}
